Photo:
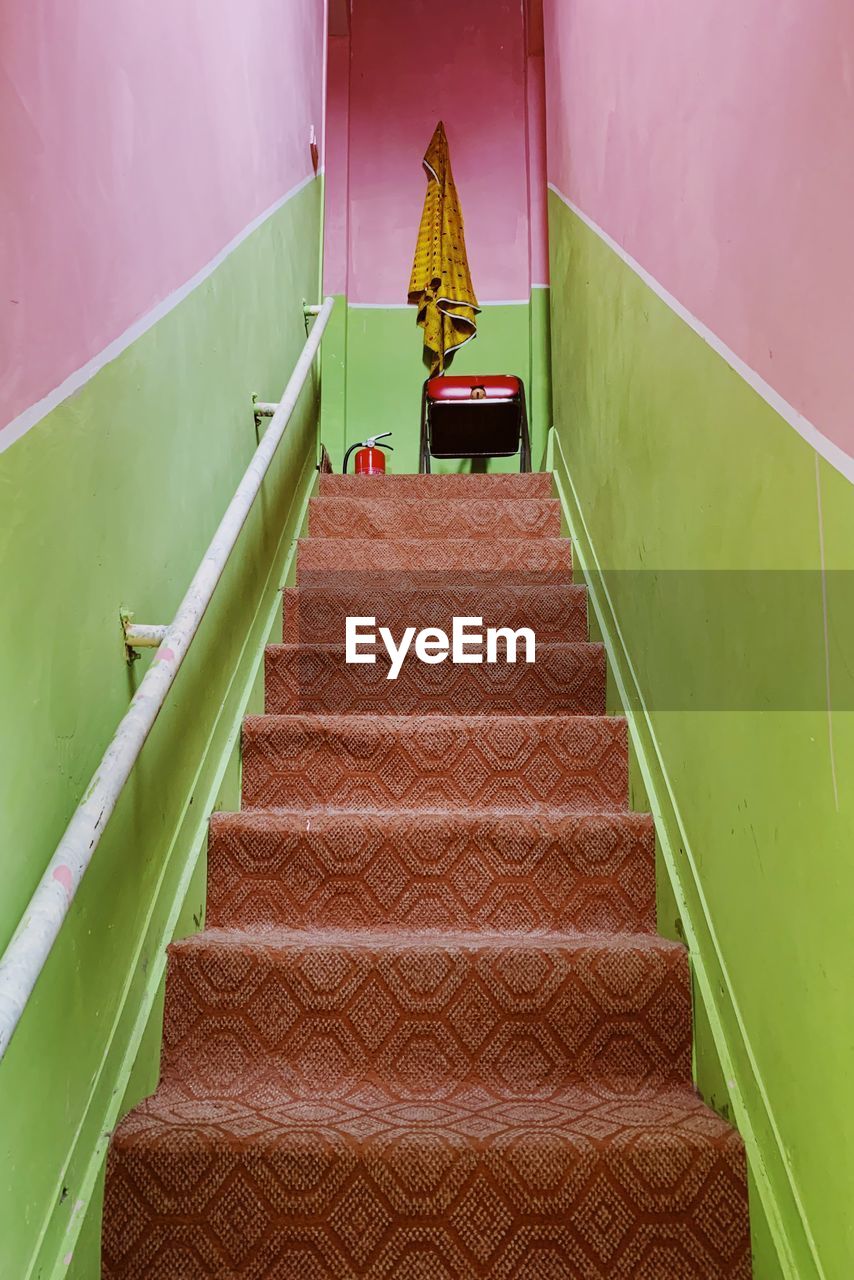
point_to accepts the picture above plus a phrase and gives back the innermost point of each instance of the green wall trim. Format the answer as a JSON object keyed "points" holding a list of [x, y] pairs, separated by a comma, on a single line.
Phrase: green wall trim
{"points": [[744, 1101], [112, 500]]}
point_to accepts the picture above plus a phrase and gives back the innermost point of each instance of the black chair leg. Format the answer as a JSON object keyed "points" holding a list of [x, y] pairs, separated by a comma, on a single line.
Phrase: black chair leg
{"points": [[525, 441], [424, 449]]}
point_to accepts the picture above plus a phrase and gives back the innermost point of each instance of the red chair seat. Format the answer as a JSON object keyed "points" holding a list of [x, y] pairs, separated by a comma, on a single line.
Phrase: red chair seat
{"points": [[494, 386]]}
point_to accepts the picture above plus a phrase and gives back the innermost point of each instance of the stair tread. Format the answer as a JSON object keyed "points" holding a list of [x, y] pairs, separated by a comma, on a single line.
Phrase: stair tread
{"points": [[532, 483], [336, 647], [494, 589], [587, 1111], [429, 517], [391, 724], [369, 501], [404, 540], [475, 813], [336, 728], [275, 938]]}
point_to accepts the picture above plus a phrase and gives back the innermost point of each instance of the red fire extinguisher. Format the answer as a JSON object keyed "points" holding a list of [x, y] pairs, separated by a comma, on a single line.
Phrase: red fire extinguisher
{"points": [[370, 460]]}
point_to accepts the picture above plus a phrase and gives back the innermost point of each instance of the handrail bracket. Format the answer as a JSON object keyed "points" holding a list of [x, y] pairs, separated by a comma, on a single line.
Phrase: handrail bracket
{"points": [[139, 636]]}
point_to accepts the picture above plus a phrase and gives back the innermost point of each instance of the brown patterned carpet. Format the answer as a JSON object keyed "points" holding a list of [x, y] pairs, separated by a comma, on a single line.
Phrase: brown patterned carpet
{"points": [[429, 1032]]}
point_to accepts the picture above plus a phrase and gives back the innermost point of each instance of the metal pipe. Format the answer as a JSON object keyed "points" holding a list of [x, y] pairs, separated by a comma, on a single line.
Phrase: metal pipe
{"points": [[309, 310], [25, 956]]}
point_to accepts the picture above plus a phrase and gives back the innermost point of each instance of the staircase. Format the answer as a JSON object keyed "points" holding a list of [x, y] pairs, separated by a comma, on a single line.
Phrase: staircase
{"points": [[429, 1032]]}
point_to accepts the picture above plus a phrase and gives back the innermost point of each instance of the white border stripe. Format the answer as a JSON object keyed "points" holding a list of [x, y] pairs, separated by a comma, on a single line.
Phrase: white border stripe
{"points": [[30, 417], [832, 453]]}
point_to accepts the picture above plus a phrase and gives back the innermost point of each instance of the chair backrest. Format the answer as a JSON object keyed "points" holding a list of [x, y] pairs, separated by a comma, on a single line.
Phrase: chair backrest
{"points": [[474, 416]]}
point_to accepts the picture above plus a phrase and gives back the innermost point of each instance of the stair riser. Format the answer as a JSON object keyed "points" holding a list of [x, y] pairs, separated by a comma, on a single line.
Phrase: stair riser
{"points": [[524, 1016], [429, 762], [451, 1212], [424, 561], [535, 484], [432, 871], [316, 612], [563, 680], [428, 518]]}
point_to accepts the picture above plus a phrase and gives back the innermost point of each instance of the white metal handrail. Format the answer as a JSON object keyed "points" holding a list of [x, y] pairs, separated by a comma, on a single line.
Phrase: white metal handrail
{"points": [[25, 956]]}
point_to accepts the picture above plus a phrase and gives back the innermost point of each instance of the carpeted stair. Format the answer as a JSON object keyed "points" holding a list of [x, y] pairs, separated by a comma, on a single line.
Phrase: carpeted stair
{"points": [[429, 1032]]}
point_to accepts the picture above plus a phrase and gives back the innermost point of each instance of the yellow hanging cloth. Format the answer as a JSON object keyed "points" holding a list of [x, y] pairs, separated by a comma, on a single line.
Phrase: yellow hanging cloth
{"points": [[441, 285]]}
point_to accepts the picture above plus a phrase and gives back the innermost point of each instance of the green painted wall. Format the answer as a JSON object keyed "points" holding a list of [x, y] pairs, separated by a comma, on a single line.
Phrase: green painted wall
{"points": [[111, 501], [373, 374], [677, 480]]}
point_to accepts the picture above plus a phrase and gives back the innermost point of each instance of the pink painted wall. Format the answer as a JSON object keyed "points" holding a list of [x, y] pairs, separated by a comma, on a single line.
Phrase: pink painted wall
{"points": [[135, 141], [714, 141], [411, 65]]}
